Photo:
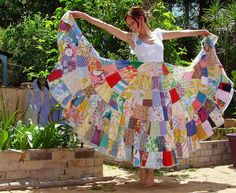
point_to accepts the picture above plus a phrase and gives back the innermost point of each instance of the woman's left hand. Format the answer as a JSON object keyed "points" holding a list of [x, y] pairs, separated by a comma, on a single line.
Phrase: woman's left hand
{"points": [[204, 32]]}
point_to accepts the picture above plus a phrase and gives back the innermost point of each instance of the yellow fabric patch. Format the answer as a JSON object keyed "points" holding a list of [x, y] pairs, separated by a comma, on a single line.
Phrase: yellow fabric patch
{"points": [[104, 91], [84, 106], [84, 82], [201, 132], [122, 120]]}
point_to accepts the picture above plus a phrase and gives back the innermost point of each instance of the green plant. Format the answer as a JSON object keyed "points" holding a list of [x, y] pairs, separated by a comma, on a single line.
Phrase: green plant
{"points": [[31, 136], [7, 119], [221, 19], [33, 45]]}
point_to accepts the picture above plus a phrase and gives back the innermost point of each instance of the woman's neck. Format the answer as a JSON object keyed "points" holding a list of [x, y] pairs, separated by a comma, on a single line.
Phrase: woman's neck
{"points": [[144, 32]]}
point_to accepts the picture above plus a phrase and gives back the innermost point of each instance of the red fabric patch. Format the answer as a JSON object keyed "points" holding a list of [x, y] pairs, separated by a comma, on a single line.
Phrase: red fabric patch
{"points": [[55, 75], [164, 69], [144, 157], [167, 158], [196, 105], [113, 79], [174, 95]]}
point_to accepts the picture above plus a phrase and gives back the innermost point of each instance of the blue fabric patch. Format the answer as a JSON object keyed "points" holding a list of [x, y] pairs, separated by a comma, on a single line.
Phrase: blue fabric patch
{"points": [[191, 128], [160, 142], [113, 104], [78, 100], [122, 64], [174, 156], [104, 141], [82, 61], [204, 72], [201, 97], [67, 99], [119, 87], [115, 148], [165, 113]]}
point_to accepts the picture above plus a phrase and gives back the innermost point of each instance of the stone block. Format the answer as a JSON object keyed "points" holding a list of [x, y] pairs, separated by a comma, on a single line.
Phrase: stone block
{"points": [[216, 158], [32, 165], [45, 173], [63, 154], [40, 155], [204, 159], [229, 123], [19, 174], [98, 170], [76, 163], [84, 154], [55, 164], [2, 176], [89, 161], [206, 152], [218, 151], [98, 161], [8, 166]]}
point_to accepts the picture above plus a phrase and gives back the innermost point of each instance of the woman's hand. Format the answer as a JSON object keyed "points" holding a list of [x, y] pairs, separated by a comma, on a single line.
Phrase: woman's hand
{"points": [[204, 32], [77, 14]]}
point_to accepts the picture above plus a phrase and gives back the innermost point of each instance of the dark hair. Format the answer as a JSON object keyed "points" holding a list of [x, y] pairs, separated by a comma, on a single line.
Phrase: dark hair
{"points": [[136, 12]]}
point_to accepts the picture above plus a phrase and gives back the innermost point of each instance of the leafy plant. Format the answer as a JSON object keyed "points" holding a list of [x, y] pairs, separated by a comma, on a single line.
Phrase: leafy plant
{"points": [[32, 44], [7, 120], [222, 21], [31, 136]]}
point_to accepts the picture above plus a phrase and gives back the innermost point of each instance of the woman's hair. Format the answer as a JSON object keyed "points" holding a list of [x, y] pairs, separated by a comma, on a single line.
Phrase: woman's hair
{"points": [[136, 12]]}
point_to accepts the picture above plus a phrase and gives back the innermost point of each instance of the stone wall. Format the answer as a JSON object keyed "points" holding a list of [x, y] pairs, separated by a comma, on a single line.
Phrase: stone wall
{"points": [[51, 164], [212, 153]]}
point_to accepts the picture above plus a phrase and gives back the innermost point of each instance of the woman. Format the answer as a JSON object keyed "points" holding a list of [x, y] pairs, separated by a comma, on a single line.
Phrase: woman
{"points": [[151, 115]]}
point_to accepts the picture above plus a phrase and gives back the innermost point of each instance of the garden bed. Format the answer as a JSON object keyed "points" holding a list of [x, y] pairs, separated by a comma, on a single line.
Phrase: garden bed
{"points": [[50, 164]]}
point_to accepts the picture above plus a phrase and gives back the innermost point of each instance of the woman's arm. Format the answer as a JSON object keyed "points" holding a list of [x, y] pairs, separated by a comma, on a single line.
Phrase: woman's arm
{"points": [[167, 35], [122, 35]]}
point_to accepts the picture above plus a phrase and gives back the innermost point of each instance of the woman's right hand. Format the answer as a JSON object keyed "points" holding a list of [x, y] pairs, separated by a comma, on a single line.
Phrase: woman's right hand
{"points": [[77, 14]]}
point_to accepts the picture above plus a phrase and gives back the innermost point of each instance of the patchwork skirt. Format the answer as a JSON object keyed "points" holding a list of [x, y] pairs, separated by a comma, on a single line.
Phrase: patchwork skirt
{"points": [[151, 115]]}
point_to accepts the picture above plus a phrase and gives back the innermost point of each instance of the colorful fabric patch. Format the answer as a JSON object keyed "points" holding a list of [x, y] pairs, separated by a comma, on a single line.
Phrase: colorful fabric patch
{"points": [[174, 95], [113, 79], [55, 75], [191, 128]]}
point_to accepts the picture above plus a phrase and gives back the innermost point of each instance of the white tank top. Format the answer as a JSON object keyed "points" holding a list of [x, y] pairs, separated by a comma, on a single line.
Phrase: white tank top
{"points": [[150, 52]]}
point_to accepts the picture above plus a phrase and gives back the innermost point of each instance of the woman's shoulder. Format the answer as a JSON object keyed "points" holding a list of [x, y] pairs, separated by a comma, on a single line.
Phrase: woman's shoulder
{"points": [[158, 32]]}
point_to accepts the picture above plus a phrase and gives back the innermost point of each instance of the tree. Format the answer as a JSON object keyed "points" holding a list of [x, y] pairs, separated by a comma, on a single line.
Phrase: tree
{"points": [[13, 12]]}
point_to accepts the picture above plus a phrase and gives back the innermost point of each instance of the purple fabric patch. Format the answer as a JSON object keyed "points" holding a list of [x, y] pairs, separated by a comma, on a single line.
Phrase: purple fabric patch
{"points": [[202, 114], [156, 82], [156, 98], [96, 137], [191, 128], [163, 130], [163, 100]]}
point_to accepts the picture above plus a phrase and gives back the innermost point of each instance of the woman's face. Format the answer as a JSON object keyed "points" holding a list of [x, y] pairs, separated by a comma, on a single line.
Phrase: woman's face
{"points": [[133, 25]]}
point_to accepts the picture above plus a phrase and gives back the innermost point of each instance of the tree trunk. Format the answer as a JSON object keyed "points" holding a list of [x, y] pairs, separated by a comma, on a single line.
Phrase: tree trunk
{"points": [[186, 5], [203, 4]]}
